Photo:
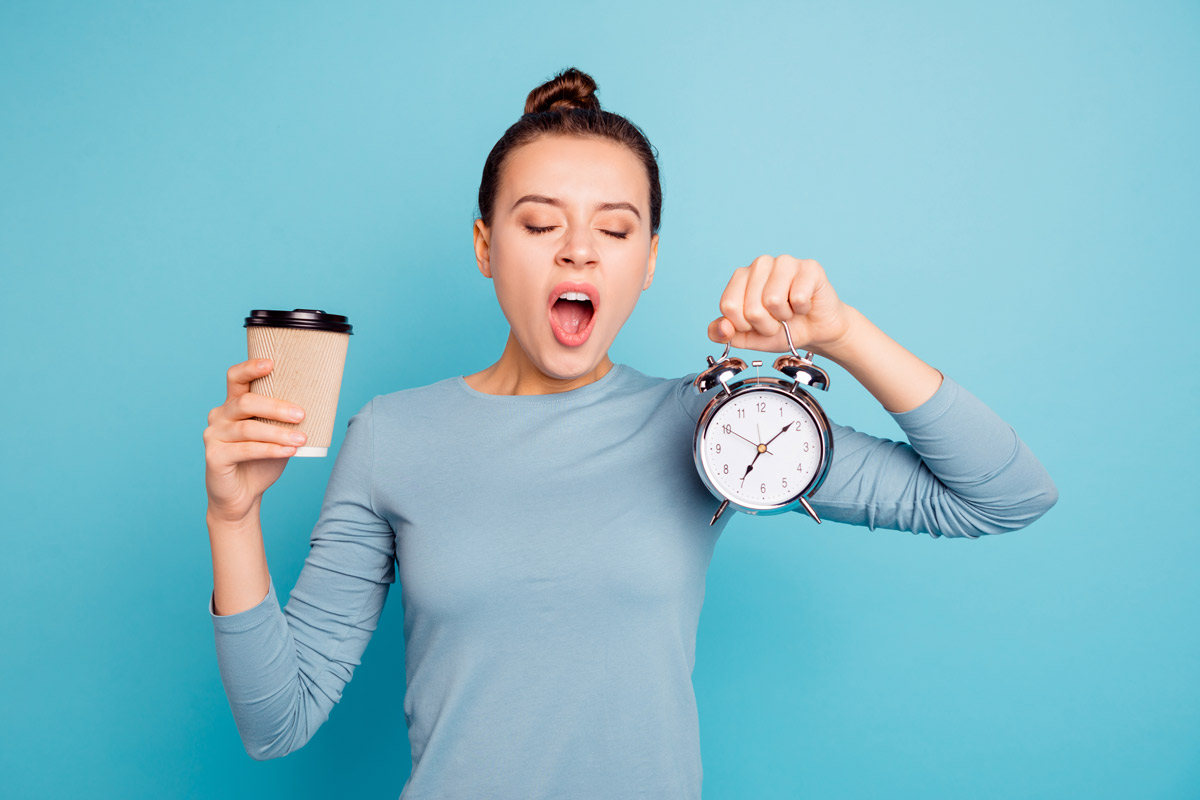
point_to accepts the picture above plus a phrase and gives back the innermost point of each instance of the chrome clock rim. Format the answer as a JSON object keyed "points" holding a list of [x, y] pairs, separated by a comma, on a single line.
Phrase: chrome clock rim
{"points": [[795, 393]]}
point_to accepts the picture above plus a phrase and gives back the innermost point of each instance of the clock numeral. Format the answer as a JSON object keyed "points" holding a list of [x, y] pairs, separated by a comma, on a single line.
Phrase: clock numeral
{"points": [[806, 447], [762, 407], [726, 429], [726, 469], [781, 411], [763, 488], [718, 448], [785, 483], [799, 468], [741, 413]]}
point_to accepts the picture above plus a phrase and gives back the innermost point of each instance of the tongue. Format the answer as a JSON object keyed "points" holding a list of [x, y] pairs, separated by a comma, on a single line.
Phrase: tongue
{"points": [[571, 315]]}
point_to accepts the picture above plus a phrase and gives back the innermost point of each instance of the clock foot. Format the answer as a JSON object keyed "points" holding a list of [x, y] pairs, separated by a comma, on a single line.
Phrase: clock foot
{"points": [[809, 509], [722, 509]]}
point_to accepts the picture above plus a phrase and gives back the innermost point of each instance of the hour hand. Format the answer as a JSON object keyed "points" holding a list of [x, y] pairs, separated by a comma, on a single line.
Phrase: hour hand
{"points": [[756, 455]]}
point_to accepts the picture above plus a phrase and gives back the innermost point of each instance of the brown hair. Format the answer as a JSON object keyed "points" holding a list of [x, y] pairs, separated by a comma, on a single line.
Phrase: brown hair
{"points": [[567, 105]]}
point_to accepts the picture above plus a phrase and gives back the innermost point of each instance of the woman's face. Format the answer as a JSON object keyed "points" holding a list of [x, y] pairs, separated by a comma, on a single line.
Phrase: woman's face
{"points": [[572, 216]]}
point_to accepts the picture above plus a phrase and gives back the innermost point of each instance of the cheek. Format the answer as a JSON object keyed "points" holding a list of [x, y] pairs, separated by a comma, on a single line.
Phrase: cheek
{"points": [[624, 297], [515, 293]]}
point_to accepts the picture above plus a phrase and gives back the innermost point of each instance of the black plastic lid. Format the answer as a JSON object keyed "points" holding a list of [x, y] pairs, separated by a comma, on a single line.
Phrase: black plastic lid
{"points": [[307, 318]]}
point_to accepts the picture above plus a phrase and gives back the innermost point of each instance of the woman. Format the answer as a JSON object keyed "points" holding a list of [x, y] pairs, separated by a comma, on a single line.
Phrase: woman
{"points": [[550, 530]]}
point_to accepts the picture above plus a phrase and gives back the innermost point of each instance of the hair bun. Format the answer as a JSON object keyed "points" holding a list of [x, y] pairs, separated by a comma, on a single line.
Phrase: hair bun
{"points": [[566, 90]]}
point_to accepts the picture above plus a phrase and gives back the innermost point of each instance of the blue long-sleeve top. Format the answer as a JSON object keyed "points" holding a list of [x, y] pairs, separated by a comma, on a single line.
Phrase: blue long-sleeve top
{"points": [[552, 552]]}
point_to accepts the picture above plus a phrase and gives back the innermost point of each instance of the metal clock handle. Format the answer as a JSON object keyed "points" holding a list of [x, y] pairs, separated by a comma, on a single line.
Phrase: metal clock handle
{"points": [[787, 332], [801, 368]]}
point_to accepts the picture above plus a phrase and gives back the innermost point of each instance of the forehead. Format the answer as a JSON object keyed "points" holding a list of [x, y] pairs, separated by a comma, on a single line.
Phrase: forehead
{"points": [[575, 168]]}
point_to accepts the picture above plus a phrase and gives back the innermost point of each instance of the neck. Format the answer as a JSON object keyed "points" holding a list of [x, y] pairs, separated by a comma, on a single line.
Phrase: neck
{"points": [[515, 374]]}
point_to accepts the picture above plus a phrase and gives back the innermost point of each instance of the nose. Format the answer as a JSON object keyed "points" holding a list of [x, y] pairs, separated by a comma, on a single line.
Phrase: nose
{"points": [[578, 249]]}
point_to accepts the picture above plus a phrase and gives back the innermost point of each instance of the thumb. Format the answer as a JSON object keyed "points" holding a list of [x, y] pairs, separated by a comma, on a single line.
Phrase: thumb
{"points": [[721, 330]]}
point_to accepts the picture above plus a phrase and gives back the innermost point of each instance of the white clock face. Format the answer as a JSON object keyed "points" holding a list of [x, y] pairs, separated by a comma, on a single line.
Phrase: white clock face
{"points": [[762, 448]]}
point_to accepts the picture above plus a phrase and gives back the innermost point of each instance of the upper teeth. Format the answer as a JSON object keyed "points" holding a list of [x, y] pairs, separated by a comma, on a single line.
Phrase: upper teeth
{"points": [[573, 296]]}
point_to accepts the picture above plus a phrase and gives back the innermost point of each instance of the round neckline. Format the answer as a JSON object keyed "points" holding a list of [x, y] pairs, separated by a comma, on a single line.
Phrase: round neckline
{"points": [[588, 390]]}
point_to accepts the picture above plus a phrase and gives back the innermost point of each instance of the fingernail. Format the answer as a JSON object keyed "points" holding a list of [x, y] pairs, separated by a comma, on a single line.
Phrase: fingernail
{"points": [[296, 413], [264, 364], [297, 437]]}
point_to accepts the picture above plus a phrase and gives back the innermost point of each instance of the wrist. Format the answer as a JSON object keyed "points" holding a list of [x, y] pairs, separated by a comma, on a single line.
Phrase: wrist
{"points": [[842, 349], [223, 523]]}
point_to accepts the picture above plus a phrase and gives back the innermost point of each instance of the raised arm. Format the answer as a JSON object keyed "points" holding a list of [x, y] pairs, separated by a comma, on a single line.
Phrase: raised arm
{"points": [[964, 471], [284, 669]]}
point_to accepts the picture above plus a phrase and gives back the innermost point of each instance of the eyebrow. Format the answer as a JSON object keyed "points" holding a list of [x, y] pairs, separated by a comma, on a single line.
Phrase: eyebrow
{"points": [[554, 201]]}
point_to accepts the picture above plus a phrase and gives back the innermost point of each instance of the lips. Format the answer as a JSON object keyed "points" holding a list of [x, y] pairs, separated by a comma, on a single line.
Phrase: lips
{"points": [[563, 324]]}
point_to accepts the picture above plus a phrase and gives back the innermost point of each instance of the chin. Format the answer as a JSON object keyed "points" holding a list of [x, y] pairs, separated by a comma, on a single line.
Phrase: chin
{"points": [[568, 364], [568, 368]]}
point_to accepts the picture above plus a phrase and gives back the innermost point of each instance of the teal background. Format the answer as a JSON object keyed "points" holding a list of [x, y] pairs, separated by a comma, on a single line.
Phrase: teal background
{"points": [[1007, 189]]}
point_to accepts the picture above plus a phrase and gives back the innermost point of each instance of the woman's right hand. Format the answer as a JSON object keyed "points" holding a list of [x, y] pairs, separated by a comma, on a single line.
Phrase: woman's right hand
{"points": [[244, 456]]}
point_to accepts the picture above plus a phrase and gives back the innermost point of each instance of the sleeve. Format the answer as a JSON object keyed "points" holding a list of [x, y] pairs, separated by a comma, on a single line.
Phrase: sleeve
{"points": [[964, 472], [283, 670]]}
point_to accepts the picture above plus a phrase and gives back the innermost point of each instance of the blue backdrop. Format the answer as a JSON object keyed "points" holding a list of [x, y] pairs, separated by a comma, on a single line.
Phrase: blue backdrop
{"points": [[1007, 189]]}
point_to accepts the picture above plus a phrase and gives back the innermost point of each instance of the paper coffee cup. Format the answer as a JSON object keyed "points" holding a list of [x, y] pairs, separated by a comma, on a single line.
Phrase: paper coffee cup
{"points": [[308, 350]]}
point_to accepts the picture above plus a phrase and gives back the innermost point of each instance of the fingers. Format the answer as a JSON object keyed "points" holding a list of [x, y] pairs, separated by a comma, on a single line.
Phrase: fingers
{"points": [[239, 376], [753, 310], [229, 442], [720, 330], [760, 296], [236, 435], [243, 403], [253, 404], [252, 430], [757, 297], [229, 453], [734, 298], [777, 289], [805, 285]]}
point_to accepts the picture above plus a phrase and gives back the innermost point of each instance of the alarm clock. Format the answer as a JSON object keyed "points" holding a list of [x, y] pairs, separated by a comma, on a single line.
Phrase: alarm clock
{"points": [[763, 444]]}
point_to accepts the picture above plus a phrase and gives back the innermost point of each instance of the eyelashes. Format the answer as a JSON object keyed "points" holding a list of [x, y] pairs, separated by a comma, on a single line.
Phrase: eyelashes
{"points": [[535, 230]]}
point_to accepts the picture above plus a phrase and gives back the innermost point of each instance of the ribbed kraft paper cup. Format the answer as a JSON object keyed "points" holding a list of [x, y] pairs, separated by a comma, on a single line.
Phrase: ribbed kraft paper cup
{"points": [[307, 371]]}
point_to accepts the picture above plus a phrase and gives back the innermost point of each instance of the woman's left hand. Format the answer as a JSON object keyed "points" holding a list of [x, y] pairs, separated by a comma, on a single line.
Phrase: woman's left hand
{"points": [[771, 289]]}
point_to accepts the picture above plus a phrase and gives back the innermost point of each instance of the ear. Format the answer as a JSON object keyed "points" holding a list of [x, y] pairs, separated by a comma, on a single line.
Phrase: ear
{"points": [[481, 234], [653, 258]]}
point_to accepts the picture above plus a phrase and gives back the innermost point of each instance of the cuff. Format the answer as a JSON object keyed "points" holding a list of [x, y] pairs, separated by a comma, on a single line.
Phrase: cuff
{"points": [[245, 620], [931, 409]]}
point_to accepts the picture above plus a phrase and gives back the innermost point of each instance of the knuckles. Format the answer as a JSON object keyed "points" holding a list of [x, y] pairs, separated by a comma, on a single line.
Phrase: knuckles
{"points": [[765, 313], [776, 304], [755, 313], [241, 427]]}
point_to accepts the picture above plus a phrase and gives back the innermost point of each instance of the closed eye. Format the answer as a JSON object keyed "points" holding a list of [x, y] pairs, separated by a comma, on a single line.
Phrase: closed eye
{"points": [[535, 230]]}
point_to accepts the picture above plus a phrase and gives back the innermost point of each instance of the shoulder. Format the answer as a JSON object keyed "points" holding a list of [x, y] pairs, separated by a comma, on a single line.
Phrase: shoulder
{"points": [[679, 394], [635, 383], [416, 401]]}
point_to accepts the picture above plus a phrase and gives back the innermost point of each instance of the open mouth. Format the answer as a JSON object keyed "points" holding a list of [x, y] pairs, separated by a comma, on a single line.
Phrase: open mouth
{"points": [[573, 312]]}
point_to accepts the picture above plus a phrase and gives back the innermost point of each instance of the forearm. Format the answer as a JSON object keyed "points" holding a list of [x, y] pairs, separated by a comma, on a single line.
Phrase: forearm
{"points": [[898, 379], [240, 574]]}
